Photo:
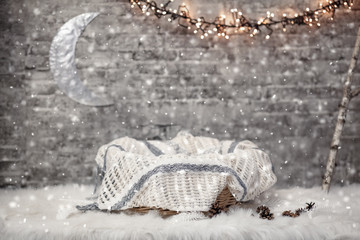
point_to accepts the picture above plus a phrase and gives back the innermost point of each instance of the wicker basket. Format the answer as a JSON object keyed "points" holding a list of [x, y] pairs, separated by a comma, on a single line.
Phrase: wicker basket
{"points": [[223, 163], [223, 202]]}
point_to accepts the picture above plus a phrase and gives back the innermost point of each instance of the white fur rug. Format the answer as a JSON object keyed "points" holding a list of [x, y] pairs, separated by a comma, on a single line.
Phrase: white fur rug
{"points": [[50, 213]]}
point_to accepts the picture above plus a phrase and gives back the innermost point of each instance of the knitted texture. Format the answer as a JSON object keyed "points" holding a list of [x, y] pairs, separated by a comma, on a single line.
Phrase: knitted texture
{"points": [[186, 173]]}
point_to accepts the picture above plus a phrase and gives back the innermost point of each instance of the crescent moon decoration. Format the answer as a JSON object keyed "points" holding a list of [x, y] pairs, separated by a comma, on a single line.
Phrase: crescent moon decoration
{"points": [[62, 61]]}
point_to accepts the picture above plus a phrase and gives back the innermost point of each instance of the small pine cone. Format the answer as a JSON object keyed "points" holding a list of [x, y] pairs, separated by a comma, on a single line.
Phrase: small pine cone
{"points": [[299, 211], [271, 216], [215, 209], [264, 212], [287, 213]]}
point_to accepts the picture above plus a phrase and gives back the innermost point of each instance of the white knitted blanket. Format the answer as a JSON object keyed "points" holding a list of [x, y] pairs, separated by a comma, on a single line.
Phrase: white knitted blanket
{"points": [[186, 173]]}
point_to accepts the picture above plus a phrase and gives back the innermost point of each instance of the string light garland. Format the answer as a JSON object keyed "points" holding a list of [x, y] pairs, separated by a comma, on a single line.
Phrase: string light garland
{"points": [[239, 24]]}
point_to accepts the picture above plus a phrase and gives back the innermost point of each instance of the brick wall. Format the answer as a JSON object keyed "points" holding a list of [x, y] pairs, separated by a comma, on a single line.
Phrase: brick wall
{"points": [[281, 93]]}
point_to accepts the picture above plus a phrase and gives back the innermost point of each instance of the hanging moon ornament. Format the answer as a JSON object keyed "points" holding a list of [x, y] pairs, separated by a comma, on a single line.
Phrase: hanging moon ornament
{"points": [[62, 61]]}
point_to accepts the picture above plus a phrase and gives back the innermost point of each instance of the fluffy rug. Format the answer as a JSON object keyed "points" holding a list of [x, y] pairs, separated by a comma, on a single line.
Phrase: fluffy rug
{"points": [[50, 213]]}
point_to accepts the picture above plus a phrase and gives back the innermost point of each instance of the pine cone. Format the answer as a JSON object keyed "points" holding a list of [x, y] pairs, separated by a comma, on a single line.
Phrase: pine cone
{"points": [[264, 212]]}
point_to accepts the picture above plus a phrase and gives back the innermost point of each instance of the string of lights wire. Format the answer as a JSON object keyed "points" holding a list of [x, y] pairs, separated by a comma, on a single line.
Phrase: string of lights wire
{"points": [[239, 24]]}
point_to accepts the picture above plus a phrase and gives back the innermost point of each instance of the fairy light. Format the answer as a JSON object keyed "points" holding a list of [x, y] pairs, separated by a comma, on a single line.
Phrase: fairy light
{"points": [[239, 24]]}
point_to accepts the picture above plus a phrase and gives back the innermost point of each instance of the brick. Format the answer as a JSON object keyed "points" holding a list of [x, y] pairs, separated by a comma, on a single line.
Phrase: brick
{"points": [[203, 55], [11, 80], [184, 42], [148, 68], [154, 55], [318, 106], [297, 92], [43, 87], [32, 62], [271, 107], [351, 130], [107, 7], [10, 153], [12, 181], [40, 48], [12, 96], [336, 54], [354, 105], [188, 69], [39, 75]]}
